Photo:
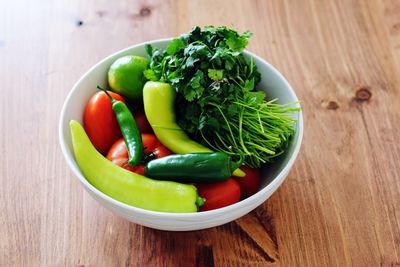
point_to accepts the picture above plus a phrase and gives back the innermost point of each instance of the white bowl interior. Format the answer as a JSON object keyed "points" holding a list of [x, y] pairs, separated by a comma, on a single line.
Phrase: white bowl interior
{"points": [[273, 174]]}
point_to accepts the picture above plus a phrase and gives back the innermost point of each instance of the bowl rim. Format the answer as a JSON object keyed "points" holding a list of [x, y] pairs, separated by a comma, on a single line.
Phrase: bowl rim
{"points": [[241, 204]]}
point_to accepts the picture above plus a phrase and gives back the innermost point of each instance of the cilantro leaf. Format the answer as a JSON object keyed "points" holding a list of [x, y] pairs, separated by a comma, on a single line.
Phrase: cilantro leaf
{"points": [[195, 82], [174, 46], [237, 43], [256, 97], [215, 75], [150, 75]]}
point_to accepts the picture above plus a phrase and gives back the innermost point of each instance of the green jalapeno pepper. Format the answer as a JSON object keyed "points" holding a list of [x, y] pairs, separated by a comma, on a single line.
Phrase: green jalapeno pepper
{"points": [[195, 167], [159, 101], [129, 129], [129, 187]]}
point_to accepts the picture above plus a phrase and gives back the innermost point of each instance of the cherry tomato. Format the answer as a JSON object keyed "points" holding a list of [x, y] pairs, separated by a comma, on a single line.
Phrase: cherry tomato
{"points": [[219, 194], [250, 183], [142, 122], [100, 122], [119, 154]]}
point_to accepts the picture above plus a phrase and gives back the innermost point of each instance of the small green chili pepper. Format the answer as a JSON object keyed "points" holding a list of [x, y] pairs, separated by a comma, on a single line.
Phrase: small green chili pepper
{"points": [[194, 167], [129, 129]]}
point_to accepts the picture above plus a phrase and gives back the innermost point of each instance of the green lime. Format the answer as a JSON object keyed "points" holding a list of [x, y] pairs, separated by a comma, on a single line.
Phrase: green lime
{"points": [[125, 76]]}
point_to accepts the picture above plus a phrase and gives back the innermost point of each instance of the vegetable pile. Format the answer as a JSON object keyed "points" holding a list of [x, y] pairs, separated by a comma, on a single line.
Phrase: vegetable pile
{"points": [[184, 130], [217, 103]]}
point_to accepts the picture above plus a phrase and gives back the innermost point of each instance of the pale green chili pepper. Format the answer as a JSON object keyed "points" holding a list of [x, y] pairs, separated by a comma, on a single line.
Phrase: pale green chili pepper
{"points": [[129, 187]]}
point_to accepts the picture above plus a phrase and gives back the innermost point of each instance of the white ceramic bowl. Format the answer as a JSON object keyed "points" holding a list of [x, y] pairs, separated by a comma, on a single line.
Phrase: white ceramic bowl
{"points": [[273, 175]]}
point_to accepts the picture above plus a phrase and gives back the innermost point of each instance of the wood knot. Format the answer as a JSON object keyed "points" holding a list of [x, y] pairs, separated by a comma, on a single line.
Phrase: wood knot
{"points": [[396, 28], [144, 12], [363, 94], [332, 105]]}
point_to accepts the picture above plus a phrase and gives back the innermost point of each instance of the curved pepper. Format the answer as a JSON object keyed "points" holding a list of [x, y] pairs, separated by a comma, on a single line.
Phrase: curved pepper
{"points": [[191, 168], [159, 100], [129, 129], [128, 187]]}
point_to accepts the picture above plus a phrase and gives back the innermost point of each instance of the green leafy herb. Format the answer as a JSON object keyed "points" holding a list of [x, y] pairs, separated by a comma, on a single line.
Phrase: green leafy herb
{"points": [[215, 75], [175, 46], [217, 103]]}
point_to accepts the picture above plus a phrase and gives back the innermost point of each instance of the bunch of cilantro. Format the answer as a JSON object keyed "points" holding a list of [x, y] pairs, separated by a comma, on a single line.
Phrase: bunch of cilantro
{"points": [[217, 103]]}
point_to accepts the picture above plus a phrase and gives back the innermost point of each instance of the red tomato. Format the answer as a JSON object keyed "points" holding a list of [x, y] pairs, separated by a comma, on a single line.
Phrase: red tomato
{"points": [[152, 145], [219, 194], [119, 154], [142, 122], [250, 183], [100, 122]]}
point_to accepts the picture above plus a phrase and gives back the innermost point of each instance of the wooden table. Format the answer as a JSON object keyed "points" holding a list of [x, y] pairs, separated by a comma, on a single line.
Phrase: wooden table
{"points": [[340, 204]]}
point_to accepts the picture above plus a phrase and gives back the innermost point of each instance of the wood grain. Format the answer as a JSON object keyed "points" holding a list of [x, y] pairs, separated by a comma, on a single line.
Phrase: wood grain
{"points": [[340, 205]]}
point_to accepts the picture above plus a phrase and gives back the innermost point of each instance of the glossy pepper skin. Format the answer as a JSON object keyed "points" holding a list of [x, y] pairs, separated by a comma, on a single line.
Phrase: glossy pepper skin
{"points": [[129, 129], [159, 100], [128, 187], [195, 167]]}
